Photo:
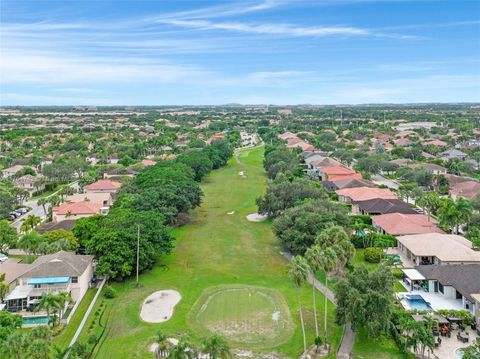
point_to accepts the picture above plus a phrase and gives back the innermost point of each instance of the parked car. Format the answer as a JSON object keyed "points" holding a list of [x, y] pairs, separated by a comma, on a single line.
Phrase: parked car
{"points": [[3, 257], [23, 210], [15, 214]]}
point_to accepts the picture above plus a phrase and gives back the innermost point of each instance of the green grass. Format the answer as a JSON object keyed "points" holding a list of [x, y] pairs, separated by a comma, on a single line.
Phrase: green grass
{"points": [[382, 348], [24, 258], [252, 317], [398, 287], [64, 338], [215, 249], [359, 259]]}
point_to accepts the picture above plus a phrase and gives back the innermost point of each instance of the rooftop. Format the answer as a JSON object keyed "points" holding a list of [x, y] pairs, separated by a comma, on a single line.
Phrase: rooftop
{"points": [[59, 264], [383, 206], [366, 193], [103, 185], [446, 247], [84, 207], [400, 223]]}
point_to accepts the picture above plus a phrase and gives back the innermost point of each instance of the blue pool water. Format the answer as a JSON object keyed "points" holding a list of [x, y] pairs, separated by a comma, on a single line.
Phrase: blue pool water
{"points": [[35, 320], [416, 301]]}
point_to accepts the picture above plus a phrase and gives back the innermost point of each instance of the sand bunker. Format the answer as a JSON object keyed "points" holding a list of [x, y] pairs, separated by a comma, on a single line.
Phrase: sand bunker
{"points": [[255, 217], [158, 307]]}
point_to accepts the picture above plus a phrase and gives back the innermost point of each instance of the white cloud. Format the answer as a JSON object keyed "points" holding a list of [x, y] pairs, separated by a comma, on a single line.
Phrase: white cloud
{"points": [[49, 67], [271, 29]]}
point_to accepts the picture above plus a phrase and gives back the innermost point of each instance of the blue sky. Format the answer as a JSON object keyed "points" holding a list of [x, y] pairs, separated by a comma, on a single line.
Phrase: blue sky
{"points": [[155, 52]]}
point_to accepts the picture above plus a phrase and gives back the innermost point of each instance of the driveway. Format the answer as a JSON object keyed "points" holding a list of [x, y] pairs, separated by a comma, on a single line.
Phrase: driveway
{"points": [[37, 210]]}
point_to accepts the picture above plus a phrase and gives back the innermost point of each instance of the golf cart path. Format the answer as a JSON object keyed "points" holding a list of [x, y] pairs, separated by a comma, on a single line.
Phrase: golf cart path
{"points": [[348, 337]]}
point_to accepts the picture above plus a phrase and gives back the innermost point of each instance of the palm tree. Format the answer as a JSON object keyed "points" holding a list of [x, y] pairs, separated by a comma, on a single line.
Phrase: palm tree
{"points": [[312, 255], [30, 223], [465, 211], [163, 345], [182, 350], [43, 202], [328, 262], [298, 272], [30, 242], [216, 347], [49, 302]]}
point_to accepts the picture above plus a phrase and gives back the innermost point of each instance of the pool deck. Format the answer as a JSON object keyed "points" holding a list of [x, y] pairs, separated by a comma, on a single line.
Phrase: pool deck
{"points": [[435, 300], [447, 349]]}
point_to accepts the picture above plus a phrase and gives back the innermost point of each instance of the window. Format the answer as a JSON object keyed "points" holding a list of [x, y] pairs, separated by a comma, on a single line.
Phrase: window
{"points": [[74, 279], [440, 287], [37, 286]]}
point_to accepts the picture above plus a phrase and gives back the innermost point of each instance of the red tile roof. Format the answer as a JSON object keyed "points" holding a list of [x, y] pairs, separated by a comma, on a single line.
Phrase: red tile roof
{"points": [[85, 207], [402, 224], [366, 193], [103, 185], [337, 170], [148, 163]]}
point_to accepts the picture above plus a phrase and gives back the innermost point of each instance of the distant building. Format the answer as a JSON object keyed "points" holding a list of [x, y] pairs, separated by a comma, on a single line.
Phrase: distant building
{"points": [[104, 185], [11, 171]]}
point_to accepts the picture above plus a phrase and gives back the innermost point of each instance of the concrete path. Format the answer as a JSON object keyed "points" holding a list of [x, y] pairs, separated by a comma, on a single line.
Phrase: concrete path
{"points": [[85, 317], [348, 338]]}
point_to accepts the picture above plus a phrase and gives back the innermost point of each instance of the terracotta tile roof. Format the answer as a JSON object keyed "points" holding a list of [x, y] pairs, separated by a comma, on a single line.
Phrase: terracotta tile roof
{"points": [[349, 177], [337, 170], [90, 197], [78, 208], [287, 135], [467, 189], [351, 182], [399, 223], [366, 193], [103, 185], [148, 163]]}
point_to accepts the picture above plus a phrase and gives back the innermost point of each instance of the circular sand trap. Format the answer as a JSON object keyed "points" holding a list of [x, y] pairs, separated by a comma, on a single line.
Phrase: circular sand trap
{"points": [[158, 306], [255, 217], [248, 316]]}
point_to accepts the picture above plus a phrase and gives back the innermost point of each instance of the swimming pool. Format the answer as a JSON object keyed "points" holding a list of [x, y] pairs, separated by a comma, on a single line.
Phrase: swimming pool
{"points": [[35, 320], [459, 353], [416, 301]]}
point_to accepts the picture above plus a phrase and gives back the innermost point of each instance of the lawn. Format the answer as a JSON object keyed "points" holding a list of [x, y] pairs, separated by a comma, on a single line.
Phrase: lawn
{"points": [[367, 348], [64, 338], [214, 249]]}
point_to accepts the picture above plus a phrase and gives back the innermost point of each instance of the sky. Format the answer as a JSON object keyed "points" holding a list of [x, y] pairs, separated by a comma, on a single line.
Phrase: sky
{"points": [[186, 52]]}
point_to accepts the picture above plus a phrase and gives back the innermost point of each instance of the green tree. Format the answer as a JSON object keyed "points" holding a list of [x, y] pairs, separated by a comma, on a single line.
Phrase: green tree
{"points": [[365, 299], [298, 270], [15, 345], [8, 235], [30, 223], [286, 194], [30, 242], [298, 227], [216, 347], [183, 350]]}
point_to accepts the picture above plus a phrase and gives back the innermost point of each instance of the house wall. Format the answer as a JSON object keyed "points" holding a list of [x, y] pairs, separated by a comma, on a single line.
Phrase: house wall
{"points": [[79, 289], [449, 292], [477, 312], [112, 191], [63, 217]]}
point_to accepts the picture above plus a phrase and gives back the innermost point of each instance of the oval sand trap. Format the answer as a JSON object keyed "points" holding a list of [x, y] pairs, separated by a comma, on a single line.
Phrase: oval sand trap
{"points": [[255, 217], [158, 307]]}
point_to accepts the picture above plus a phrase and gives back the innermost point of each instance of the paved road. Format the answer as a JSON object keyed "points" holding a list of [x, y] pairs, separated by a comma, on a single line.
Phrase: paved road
{"points": [[348, 338], [380, 180], [37, 210]]}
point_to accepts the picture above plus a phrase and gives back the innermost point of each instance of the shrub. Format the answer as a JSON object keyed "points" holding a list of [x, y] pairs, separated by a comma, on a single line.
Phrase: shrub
{"points": [[397, 273], [110, 292], [92, 339], [373, 255]]}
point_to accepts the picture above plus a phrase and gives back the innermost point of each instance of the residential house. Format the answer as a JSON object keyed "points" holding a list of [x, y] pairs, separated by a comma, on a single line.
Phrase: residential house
{"points": [[217, 136], [453, 154], [104, 185], [456, 282], [103, 198], [431, 167], [299, 143], [337, 172], [149, 163], [471, 143], [30, 183], [462, 187], [333, 185], [66, 225], [52, 273], [358, 194], [437, 248], [113, 159], [11, 171], [287, 135], [74, 211], [436, 143], [402, 224], [402, 142], [379, 206]]}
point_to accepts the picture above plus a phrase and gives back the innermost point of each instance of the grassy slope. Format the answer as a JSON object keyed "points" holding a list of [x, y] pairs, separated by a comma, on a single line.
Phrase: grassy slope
{"points": [[64, 338], [214, 249]]}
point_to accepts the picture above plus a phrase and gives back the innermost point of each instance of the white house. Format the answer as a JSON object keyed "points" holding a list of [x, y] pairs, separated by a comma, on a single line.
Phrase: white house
{"points": [[52, 273]]}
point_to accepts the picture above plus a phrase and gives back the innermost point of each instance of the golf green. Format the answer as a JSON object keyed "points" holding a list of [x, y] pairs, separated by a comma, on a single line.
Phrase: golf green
{"points": [[248, 316]]}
